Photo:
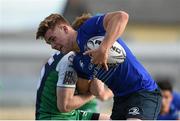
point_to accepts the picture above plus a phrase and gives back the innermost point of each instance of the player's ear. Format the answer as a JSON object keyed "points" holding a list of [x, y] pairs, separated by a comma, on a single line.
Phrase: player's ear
{"points": [[65, 28]]}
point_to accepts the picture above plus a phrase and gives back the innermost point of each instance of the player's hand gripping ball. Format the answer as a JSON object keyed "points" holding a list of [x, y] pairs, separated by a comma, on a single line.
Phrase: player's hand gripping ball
{"points": [[116, 54]]}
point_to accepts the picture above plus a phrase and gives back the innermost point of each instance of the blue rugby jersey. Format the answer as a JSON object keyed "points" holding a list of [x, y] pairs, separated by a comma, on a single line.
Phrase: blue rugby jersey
{"points": [[172, 115], [123, 79], [176, 100], [92, 27]]}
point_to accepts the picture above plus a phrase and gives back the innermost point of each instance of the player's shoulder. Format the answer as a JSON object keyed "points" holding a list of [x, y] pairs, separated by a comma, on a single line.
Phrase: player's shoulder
{"points": [[94, 20], [69, 56], [66, 60]]}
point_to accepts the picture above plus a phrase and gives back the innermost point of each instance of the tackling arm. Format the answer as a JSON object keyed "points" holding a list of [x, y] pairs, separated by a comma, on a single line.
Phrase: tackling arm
{"points": [[67, 78], [67, 101], [100, 90]]}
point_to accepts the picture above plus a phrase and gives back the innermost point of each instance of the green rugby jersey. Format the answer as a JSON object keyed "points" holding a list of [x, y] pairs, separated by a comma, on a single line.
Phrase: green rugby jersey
{"points": [[91, 106], [46, 99]]}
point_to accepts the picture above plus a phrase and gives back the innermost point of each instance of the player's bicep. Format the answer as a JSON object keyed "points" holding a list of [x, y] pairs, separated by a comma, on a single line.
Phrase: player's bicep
{"points": [[107, 18], [94, 25], [64, 95]]}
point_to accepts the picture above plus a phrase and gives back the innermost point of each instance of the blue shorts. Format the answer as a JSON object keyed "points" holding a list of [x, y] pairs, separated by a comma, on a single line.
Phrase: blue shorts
{"points": [[143, 104]]}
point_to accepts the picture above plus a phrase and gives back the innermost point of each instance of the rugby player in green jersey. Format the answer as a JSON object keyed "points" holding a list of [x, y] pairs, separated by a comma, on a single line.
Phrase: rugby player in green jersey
{"points": [[56, 95]]}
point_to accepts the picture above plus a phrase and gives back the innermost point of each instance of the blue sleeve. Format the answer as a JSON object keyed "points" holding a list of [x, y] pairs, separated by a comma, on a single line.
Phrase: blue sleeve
{"points": [[176, 100], [81, 66], [94, 25]]}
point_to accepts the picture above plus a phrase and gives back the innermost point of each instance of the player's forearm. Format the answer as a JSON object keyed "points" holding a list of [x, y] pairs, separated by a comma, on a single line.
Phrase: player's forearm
{"points": [[100, 90], [115, 26], [105, 95], [75, 102]]}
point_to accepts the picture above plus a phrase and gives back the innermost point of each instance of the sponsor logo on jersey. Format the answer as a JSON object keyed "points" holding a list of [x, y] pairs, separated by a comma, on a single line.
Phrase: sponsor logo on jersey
{"points": [[116, 49], [69, 78], [81, 64]]}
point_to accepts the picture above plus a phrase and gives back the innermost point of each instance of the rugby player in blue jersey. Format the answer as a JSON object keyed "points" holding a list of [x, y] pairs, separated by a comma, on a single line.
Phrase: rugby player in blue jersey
{"points": [[59, 93], [175, 94], [136, 94], [176, 99], [168, 109]]}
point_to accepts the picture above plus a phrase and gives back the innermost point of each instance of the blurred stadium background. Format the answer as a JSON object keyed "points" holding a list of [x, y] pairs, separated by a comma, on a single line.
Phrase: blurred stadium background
{"points": [[153, 34]]}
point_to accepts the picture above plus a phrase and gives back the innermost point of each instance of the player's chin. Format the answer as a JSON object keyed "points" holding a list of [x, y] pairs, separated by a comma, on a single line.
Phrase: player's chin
{"points": [[64, 51]]}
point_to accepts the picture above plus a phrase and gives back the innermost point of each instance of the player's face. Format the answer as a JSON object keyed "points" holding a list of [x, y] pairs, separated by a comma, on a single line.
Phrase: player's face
{"points": [[59, 38], [166, 99]]}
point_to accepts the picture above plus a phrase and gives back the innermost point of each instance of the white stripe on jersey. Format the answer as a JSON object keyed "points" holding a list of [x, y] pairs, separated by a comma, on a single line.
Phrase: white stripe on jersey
{"points": [[112, 72], [41, 76], [105, 75], [108, 74], [51, 59]]}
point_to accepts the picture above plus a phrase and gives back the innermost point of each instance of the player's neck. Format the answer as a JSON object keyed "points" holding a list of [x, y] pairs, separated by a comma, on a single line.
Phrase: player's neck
{"points": [[75, 44]]}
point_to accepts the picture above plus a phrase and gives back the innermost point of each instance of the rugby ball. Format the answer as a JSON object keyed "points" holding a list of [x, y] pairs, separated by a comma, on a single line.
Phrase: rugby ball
{"points": [[116, 54]]}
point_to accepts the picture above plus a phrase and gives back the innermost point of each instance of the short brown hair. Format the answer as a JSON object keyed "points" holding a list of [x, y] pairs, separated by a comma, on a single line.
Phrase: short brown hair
{"points": [[80, 20], [49, 23]]}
